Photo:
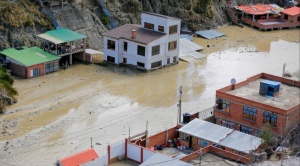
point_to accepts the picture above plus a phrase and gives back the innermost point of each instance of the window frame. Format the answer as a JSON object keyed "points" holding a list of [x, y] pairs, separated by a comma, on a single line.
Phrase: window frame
{"points": [[172, 47], [139, 52], [111, 43], [271, 118], [225, 104], [202, 142], [161, 28], [245, 129], [249, 113], [149, 25], [227, 124], [155, 52], [125, 47], [173, 29]]}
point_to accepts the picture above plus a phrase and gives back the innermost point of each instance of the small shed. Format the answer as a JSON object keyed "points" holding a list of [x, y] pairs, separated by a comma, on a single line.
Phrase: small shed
{"points": [[91, 55], [30, 62], [291, 14]]}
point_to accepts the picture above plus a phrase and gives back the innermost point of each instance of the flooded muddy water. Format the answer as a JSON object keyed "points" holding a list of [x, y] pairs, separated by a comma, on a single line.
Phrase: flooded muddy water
{"points": [[57, 113]]}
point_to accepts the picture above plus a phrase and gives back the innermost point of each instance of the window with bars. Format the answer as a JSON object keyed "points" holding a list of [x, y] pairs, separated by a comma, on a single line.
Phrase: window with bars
{"points": [[227, 124], [202, 143], [222, 105], [270, 118], [249, 113], [246, 130]]}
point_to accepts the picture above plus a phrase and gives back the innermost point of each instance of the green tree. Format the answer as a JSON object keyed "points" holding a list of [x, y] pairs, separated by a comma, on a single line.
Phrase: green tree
{"points": [[266, 135]]}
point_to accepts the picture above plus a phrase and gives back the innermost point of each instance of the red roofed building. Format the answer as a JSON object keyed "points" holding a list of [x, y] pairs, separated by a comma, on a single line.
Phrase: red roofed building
{"points": [[265, 16], [291, 15], [86, 158]]}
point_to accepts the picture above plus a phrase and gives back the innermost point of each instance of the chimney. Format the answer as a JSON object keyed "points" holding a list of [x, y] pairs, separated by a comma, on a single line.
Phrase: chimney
{"points": [[133, 34]]}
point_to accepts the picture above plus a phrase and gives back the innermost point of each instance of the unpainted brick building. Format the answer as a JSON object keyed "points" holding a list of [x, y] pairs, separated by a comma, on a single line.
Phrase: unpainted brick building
{"points": [[261, 99]]}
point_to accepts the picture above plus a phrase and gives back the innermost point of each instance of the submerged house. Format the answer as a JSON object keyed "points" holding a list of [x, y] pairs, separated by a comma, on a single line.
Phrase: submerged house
{"points": [[30, 62], [151, 45], [265, 16]]}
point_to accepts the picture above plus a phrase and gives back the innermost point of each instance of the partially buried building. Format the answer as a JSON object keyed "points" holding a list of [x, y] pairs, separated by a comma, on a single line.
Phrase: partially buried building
{"points": [[151, 45], [30, 62], [261, 99]]}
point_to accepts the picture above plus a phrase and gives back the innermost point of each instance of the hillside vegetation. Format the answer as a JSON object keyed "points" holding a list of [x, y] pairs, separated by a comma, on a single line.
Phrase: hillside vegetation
{"points": [[7, 92]]}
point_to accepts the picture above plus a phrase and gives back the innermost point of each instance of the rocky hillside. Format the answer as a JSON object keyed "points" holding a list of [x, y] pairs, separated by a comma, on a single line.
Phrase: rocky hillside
{"points": [[21, 20]]}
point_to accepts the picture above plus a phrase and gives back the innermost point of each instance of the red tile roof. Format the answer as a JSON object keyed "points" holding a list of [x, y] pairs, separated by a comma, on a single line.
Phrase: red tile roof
{"points": [[257, 9], [292, 11], [80, 158], [143, 35]]}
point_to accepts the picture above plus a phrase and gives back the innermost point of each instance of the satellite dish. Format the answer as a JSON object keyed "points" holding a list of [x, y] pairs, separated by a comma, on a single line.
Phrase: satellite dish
{"points": [[233, 81]]}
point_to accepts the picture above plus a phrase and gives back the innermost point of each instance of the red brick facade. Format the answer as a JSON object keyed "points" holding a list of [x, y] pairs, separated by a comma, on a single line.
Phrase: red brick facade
{"points": [[160, 138], [286, 119], [40, 66], [25, 71]]}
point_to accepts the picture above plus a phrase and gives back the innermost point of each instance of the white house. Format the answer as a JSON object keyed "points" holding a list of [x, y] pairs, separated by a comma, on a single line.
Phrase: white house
{"points": [[153, 44]]}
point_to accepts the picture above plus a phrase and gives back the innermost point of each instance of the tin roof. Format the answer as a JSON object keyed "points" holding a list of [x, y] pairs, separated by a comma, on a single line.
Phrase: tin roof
{"points": [[260, 9], [205, 130], [61, 35], [241, 142], [292, 11], [80, 158], [163, 160], [210, 34], [29, 56], [143, 35]]}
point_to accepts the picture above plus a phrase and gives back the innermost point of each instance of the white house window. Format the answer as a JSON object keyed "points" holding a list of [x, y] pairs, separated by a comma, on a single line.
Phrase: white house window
{"points": [[111, 44], [172, 45], [173, 29], [156, 64], [155, 50], [141, 50], [125, 46], [161, 28], [140, 64], [149, 25]]}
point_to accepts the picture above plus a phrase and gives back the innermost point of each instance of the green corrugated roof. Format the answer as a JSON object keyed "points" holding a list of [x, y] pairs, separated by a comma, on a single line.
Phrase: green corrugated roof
{"points": [[29, 56], [61, 35]]}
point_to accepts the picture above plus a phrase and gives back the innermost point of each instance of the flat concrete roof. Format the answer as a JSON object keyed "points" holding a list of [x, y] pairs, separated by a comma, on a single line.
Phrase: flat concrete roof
{"points": [[287, 98]]}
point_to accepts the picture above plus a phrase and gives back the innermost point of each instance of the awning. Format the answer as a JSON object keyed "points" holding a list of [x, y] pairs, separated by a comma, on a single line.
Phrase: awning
{"points": [[61, 35], [50, 38]]}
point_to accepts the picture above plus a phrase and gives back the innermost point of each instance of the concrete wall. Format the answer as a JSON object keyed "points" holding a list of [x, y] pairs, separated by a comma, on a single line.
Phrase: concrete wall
{"points": [[109, 52], [134, 152], [117, 151]]}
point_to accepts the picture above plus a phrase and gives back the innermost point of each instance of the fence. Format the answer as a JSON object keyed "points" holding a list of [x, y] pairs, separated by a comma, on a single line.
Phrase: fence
{"points": [[206, 113]]}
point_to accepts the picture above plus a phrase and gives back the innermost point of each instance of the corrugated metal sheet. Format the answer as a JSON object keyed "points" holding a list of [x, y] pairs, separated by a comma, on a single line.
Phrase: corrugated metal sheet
{"points": [[61, 35], [241, 142], [92, 51], [163, 160], [187, 50], [205, 130], [190, 37], [210, 34], [29, 56], [80, 158]]}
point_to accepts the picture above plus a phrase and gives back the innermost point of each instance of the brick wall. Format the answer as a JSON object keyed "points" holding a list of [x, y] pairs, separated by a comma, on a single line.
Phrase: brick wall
{"points": [[237, 103], [40, 66], [229, 155], [17, 69], [160, 138]]}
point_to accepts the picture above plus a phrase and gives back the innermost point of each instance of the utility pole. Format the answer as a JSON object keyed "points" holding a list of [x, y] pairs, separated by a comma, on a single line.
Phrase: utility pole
{"points": [[283, 69], [200, 157], [179, 104], [129, 134], [91, 142], [146, 134]]}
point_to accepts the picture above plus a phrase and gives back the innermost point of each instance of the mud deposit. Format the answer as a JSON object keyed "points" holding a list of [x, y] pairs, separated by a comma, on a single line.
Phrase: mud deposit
{"points": [[58, 113]]}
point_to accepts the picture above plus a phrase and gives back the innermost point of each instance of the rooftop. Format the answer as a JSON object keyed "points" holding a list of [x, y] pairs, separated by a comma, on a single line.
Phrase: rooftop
{"points": [[29, 56], [143, 35], [287, 98], [163, 160], [292, 11], [260, 9], [163, 16], [80, 158], [61, 35]]}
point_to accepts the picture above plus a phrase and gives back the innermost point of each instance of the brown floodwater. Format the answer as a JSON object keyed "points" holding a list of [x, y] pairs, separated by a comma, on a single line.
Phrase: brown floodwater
{"points": [[59, 112]]}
